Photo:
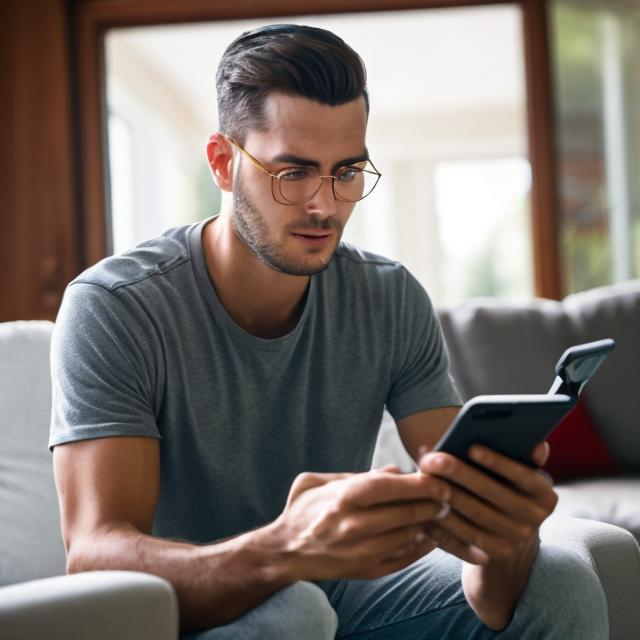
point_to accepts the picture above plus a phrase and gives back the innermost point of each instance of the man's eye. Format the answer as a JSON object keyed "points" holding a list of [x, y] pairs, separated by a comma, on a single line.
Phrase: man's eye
{"points": [[348, 174], [293, 174]]}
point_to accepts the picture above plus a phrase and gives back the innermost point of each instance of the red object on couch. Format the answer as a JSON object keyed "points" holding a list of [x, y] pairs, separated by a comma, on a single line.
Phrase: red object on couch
{"points": [[577, 450]]}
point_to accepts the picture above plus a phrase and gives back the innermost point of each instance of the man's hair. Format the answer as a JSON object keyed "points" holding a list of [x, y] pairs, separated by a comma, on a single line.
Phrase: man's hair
{"points": [[284, 58]]}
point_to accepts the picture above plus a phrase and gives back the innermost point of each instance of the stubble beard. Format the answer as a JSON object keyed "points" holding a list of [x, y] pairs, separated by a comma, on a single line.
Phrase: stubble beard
{"points": [[252, 230]]}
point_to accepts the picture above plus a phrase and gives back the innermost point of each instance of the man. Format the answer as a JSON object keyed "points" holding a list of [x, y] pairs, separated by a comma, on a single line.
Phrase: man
{"points": [[218, 390]]}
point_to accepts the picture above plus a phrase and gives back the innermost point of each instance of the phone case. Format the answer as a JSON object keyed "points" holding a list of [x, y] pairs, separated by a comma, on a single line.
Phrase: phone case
{"points": [[514, 424], [511, 425]]}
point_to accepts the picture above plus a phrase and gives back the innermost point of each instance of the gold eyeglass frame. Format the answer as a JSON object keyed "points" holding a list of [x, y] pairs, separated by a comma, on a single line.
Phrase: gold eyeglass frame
{"points": [[287, 202]]}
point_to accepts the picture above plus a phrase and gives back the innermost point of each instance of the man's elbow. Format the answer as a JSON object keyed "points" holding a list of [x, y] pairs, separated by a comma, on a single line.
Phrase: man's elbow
{"points": [[94, 551], [75, 563]]}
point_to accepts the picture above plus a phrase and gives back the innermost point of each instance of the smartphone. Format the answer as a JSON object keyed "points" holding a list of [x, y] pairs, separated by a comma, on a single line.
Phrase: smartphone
{"points": [[511, 425], [514, 424], [577, 364]]}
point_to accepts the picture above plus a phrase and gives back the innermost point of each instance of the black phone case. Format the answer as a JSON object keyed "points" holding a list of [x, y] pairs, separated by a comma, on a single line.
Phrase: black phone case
{"points": [[510, 425]]}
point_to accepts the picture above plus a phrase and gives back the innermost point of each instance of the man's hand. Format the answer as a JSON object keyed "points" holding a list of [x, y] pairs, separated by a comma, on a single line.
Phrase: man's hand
{"points": [[362, 525], [492, 525]]}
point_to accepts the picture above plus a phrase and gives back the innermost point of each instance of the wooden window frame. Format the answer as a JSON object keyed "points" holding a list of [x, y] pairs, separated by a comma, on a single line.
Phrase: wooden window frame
{"points": [[94, 17]]}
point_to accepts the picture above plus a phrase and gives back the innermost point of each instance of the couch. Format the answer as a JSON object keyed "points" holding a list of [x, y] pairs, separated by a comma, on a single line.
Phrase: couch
{"points": [[38, 600], [499, 347]]}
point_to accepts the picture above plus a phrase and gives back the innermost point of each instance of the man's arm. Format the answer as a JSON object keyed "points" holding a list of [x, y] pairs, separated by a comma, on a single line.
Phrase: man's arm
{"points": [[108, 491], [425, 428], [492, 527], [333, 526]]}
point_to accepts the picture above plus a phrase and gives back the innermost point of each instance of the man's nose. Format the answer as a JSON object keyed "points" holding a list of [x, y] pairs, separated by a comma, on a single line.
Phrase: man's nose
{"points": [[323, 202]]}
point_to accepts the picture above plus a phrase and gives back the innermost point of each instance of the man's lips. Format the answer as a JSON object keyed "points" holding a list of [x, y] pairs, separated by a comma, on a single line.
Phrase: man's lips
{"points": [[326, 234], [313, 237]]}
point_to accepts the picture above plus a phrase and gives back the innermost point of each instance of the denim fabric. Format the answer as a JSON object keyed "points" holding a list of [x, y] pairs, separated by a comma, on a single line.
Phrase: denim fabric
{"points": [[300, 611], [563, 600]]}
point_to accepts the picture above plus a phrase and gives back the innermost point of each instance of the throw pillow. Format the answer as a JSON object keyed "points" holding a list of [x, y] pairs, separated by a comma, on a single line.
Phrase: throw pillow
{"points": [[577, 450]]}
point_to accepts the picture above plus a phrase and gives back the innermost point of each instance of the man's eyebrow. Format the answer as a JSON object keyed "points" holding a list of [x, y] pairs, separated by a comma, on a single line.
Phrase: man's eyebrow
{"points": [[307, 162], [297, 160]]}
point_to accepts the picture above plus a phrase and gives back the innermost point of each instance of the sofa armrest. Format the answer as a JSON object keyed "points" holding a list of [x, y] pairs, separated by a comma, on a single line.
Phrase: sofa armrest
{"points": [[102, 605], [614, 555]]}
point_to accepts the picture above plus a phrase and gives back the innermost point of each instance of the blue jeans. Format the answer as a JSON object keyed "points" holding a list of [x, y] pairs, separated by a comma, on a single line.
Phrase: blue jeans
{"points": [[563, 600]]}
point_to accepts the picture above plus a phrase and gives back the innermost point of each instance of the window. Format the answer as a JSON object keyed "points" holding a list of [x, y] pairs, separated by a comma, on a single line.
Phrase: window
{"points": [[492, 257], [596, 48]]}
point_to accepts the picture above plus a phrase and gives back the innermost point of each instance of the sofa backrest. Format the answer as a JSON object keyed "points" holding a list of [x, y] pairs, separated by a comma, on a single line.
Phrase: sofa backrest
{"points": [[512, 347], [613, 396], [30, 539]]}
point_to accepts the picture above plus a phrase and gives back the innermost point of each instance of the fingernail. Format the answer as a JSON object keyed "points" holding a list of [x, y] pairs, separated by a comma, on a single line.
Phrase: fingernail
{"points": [[420, 537], [479, 555], [478, 454], [439, 461], [423, 449], [444, 512], [546, 476]]}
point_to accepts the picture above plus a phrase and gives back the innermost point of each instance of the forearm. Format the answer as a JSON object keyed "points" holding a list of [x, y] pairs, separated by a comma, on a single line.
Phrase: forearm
{"points": [[214, 583], [493, 590]]}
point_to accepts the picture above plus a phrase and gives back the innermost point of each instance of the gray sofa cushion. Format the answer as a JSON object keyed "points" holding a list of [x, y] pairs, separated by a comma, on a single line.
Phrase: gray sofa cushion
{"points": [[30, 539], [612, 500]]}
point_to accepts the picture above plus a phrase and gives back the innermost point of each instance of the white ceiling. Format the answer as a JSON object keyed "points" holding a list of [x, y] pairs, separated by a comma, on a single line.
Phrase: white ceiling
{"points": [[435, 60]]}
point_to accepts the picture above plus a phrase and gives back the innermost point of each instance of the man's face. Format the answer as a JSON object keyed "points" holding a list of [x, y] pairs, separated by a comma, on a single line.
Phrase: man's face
{"points": [[297, 239]]}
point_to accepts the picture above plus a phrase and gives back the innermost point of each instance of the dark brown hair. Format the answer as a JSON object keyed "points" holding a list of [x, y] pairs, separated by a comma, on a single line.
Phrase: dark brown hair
{"points": [[284, 58]]}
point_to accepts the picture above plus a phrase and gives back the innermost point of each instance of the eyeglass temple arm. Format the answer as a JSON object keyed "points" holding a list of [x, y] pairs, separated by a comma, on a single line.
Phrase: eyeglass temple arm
{"points": [[253, 160], [260, 166]]}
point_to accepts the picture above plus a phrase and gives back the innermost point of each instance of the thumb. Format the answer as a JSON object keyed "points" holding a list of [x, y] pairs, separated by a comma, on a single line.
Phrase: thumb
{"points": [[389, 468], [309, 480]]}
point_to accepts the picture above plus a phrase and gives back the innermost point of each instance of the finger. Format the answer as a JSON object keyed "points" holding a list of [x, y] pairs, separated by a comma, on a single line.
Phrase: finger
{"points": [[540, 453], [458, 528], [411, 552], [485, 516], [506, 499], [451, 544], [422, 450], [389, 468], [387, 517], [395, 562], [546, 476], [309, 480], [374, 488], [520, 475], [377, 548]]}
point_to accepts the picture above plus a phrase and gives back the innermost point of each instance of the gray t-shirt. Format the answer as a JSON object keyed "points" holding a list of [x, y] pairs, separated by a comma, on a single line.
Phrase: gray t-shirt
{"points": [[143, 347]]}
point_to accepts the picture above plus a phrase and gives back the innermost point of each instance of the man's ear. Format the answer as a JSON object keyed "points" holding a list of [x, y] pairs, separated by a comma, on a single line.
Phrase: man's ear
{"points": [[220, 157]]}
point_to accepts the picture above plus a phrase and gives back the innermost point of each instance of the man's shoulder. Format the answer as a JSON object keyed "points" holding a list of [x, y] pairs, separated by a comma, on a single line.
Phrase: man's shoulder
{"points": [[374, 277], [150, 258], [353, 258]]}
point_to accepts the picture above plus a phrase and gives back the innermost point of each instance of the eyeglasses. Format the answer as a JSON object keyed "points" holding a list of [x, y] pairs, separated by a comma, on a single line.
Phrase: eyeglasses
{"points": [[296, 185]]}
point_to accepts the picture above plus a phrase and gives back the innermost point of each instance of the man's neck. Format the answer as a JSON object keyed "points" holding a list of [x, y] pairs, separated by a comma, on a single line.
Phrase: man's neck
{"points": [[264, 302]]}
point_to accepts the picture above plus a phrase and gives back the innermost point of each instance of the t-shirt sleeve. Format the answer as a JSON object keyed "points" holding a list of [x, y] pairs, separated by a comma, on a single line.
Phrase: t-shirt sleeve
{"points": [[101, 369], [420, 375]]}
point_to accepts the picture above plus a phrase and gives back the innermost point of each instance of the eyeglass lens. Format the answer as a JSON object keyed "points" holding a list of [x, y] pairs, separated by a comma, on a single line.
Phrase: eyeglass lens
{"points": [[351, 184]]}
